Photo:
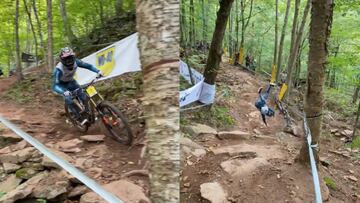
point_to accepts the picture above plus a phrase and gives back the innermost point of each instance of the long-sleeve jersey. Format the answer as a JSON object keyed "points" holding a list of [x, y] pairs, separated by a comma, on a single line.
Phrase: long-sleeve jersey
{"points": [[64, 75]]}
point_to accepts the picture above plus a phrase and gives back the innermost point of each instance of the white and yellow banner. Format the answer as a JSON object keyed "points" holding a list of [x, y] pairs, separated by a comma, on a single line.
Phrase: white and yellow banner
{"points": [[116, 59]]}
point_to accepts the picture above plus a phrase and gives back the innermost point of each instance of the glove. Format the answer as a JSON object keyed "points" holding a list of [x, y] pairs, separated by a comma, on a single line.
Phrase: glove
{"points": [[67, 93], [99, 74]]}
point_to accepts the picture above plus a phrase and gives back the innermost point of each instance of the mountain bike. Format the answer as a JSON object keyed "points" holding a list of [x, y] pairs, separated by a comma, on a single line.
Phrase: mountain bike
{"points": [[97, 107]]}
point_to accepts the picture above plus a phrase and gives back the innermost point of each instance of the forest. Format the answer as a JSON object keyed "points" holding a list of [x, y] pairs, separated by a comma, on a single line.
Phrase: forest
{"points": [[306, 52]]}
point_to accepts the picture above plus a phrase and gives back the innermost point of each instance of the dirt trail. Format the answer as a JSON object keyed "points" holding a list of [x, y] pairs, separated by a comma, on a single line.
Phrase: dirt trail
{"points": [[259, 166], [103, 161]]}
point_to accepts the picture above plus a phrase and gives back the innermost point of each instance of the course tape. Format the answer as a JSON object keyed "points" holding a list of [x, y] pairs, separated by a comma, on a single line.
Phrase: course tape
{"points": [[313, 163], [64, 164]]}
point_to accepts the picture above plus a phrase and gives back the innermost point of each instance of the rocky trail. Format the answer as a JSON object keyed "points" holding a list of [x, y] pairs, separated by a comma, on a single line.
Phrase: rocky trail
{"points": [[26, 175], [250, 162]]}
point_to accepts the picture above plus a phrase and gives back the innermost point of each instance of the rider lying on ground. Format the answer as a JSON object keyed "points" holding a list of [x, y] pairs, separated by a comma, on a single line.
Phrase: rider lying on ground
{"points": [[261, 105], [64, 81]]}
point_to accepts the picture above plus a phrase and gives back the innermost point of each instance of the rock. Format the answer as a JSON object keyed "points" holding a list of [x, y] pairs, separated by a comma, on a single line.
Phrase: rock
{"points": [[49, 163], [10, 137], [324, 161], [35, 166], [10, 183], [266, 151], [333, 130], [93, 138], [243, 167], [5, 150], [78, 190], [189, 143], [237, 134], [23, 190], [95, 172], [198, 129], [127, 191], [54, 185], [347, 133], [199, 153], [19, 146], [325, 193], [9, 167], [50, 191], [26, 173], [256, 131], [17, 156], [352, 178], [213, 192], [70, 145]]}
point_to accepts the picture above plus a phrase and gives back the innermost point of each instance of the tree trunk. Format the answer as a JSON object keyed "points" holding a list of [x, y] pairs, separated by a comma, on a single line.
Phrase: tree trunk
{"points": [[320, 28], [192, 23], [18, 59], [294, 52], [356, 94], [356, 124], [158, 27], [38, 22], [119, 6], [67, 25], [230, 40], [183, 25], [101, 12], [293, 30], [33, 31], [237, 21], [203, 20], [50, 36], [279, 61], [214, 58], [276, 32]]}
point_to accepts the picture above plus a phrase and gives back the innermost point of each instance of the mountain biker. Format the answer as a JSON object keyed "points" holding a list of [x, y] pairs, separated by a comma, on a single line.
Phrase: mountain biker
{"points": [[64, 81], [261, 105]]}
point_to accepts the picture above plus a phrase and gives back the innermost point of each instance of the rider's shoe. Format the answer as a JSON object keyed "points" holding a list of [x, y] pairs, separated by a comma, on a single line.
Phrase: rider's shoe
{"points": [[84, 121]]}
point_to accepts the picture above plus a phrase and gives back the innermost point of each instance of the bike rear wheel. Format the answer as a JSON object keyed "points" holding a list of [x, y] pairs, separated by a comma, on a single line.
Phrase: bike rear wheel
{"points": [[115, 123]]}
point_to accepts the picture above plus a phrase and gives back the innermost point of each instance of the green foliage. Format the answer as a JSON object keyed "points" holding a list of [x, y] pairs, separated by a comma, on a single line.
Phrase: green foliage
{"points": [[217, 116], [330, 183], [2, 194], [355, 144], [338, 101], [83, 15]]}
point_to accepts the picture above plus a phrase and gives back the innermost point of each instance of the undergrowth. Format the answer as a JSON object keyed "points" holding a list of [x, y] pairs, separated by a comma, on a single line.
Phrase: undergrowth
{"points": [[330, 183]]}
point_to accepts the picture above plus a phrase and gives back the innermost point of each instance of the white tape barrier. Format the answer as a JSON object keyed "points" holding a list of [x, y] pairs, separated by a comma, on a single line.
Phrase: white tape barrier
{"points": [[201, 91], [62, 163], [312, 162]]}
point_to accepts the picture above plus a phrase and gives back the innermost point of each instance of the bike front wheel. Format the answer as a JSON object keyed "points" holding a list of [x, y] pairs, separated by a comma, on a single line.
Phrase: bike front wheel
{"points": [[115, 123]]}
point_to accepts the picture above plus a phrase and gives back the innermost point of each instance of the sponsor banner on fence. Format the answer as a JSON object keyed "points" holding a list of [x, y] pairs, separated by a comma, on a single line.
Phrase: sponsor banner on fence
{"points": [[201, 91], [119, 58], [184, 72], [123, 57]]}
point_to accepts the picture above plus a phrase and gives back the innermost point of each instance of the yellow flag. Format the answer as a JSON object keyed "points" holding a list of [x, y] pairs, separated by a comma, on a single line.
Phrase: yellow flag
{"points": [[273, 74], [241, 56], [282, 91]]}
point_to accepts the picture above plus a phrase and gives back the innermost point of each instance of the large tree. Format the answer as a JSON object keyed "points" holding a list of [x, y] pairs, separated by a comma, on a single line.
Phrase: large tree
{"points": [[158, 27], [67, 25], [214, 57], [320, 28], [18, 59], [50, 57], [282, 38]]}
